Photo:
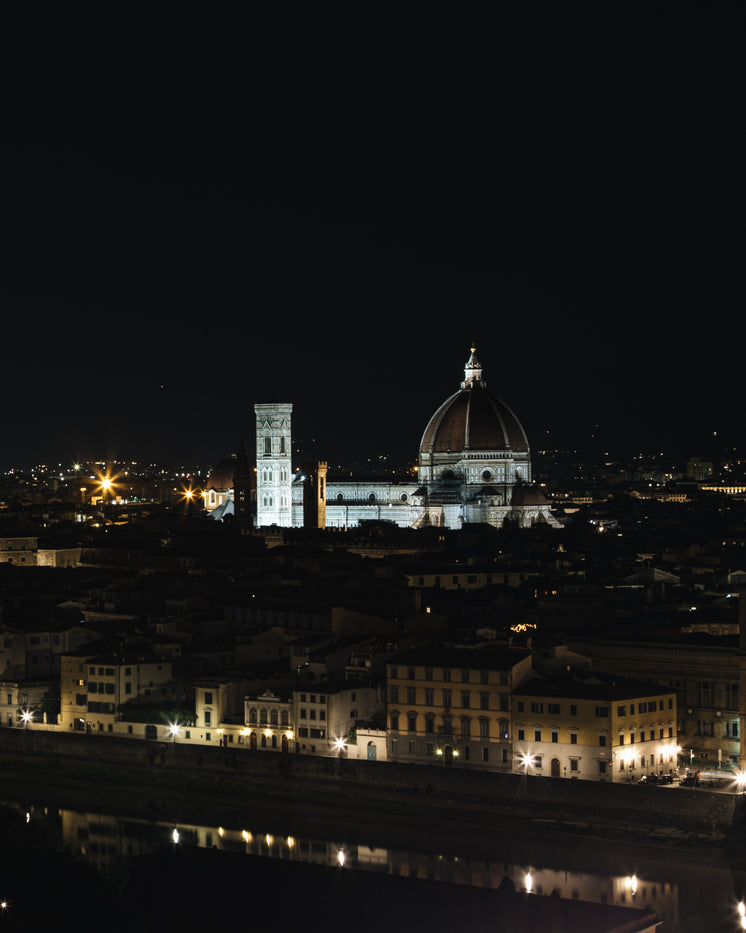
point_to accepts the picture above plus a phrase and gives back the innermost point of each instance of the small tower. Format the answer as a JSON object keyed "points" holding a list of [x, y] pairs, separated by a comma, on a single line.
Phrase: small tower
{"points": [[244, 489], [273, 464], [314, 495]]}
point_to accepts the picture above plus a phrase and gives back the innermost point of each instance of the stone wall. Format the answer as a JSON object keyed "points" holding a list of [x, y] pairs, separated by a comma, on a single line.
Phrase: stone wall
{"points": [[684, 809]]}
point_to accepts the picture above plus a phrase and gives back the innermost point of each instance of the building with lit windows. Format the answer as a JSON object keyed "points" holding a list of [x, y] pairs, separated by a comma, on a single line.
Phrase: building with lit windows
{"points": [[589, 726], [269, 722], [454, 705], [94, 687]]}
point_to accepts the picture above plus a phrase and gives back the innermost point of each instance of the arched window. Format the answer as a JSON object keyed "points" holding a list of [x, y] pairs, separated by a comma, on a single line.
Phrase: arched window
{"points": [[503, 728], [394, 721], [263, 717], [273, 717], [465, 727], [252, 714], [284, 717]]}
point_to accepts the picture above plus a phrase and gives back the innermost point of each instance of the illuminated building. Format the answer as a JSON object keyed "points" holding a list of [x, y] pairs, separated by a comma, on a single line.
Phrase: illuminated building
{"points": [[592, 726], [474, 465], [454, 706]]}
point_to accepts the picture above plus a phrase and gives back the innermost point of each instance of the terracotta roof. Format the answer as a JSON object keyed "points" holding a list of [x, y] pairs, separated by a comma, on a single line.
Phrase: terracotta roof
{"points": [[473, 419]]}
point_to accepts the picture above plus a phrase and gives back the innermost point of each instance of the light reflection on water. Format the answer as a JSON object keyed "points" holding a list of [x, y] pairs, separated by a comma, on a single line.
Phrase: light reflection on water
{"points": [[685, 894]]}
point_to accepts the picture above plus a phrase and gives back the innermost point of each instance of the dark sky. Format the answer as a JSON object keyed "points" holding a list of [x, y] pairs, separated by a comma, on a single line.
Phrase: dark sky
{"points": [[202, 212]]}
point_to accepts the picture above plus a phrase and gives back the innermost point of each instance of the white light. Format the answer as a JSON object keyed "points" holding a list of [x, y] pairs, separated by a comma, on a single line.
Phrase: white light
{"points": [[175, 836], [529, 882], [341, 858]]}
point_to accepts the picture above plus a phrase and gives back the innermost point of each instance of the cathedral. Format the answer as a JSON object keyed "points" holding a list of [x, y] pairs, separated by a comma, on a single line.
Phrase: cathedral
{"points": [[474, 466]]}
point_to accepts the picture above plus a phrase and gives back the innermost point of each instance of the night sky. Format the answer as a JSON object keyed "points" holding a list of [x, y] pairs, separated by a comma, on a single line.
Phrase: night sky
{"points": [[203, 212]]}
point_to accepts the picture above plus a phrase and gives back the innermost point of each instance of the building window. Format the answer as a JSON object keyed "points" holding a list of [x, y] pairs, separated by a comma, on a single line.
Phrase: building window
{"points": [[602, 740], [394, 694], [447, 699], [430, 724], [484, 728], [411, 673], [411, 722], [394, 722], [554, 709], [411, 748], [208, 699], [555, 736], [602, 712], [537, 735], [430, 749], [465, 727], [573, 764], [521, 734], [446, 675], [573, 710], [485, 754], [428, 673], [429, 697], [537, 707], [411, 695], [465, 699], [622, 710]]}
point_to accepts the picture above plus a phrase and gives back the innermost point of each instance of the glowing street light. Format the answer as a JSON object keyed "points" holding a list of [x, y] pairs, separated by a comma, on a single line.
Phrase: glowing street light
{"points": [[26, 717], [173, 731], [741, 782], [340, 745], [526, 760]]}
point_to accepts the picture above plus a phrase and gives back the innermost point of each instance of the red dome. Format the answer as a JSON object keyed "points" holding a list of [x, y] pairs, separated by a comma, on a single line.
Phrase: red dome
{"points": [[473, 419], [221, 476]]}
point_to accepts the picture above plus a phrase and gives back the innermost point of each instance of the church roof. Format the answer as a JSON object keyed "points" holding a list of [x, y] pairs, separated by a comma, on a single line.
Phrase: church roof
{"points": [[473, 419], [221, 476]]}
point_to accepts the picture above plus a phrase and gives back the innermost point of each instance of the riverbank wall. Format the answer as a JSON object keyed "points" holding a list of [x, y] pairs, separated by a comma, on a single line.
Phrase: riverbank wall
{"points": [[438, 791]]}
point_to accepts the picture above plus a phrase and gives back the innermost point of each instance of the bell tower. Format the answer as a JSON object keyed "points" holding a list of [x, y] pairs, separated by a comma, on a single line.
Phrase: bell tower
{"points": [[274, 503]]}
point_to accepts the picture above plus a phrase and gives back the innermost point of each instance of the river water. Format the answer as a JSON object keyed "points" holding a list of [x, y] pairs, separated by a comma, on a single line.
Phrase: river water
{"points": [[689, 892]]}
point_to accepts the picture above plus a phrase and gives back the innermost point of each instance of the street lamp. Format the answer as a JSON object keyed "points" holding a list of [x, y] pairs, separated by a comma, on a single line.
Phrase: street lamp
{"points": [[340, 745], [26, 716], [173, 731], [526, 760], [741, 782]]}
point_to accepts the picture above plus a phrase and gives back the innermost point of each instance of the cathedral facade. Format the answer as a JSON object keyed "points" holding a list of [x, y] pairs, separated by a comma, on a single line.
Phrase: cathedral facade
{"points": [[474, 466]]}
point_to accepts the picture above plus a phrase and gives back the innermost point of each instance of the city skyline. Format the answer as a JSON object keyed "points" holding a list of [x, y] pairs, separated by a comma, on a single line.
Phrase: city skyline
{"points": [[197, 224]]}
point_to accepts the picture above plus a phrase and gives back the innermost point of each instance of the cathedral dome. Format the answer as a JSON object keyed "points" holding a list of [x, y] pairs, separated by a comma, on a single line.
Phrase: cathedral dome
{"points": [[529, 495], [221, 476], [473, 419]]}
